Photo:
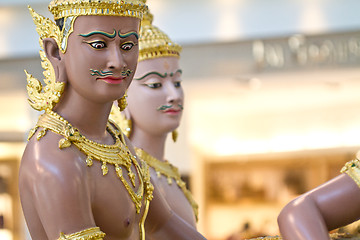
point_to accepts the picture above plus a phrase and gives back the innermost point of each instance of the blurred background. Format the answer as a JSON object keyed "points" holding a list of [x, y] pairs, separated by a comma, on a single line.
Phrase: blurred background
{"points": [[272, 104]]}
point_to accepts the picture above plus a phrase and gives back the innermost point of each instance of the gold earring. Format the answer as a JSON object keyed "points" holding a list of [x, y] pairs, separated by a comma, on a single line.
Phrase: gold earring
{"points": [[122, 103], [174, 135]]}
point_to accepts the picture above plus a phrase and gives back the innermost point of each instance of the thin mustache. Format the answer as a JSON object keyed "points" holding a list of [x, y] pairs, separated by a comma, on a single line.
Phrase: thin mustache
{"points": [[165, 107], [126, 73], [101, 73]]}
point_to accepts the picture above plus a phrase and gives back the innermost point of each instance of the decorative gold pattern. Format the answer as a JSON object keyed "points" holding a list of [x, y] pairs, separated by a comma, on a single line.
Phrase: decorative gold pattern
{"points": [[124, 124], [153, 42], [44, 98], [174, 135], [170, 172], [87, 234], [352, 168], [122, 104], [117, 154], [149, 193], [126, 8]]}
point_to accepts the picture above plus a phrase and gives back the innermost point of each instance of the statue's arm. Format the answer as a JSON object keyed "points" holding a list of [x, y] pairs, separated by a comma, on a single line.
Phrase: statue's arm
{"points": [[57, 182], [163, 223], [331, 205]]}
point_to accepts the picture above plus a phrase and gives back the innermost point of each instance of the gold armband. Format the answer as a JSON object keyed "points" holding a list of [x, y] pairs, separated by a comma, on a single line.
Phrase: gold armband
{"points": [[87, 234], [352, 168]]}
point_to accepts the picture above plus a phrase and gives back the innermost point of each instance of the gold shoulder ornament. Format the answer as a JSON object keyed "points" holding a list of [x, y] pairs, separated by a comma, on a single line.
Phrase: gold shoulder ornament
{"points": [[171, 173]]}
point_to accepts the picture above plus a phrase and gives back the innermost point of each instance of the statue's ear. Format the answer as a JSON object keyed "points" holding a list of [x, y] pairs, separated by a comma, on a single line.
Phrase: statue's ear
{"points": [[52, 52]]}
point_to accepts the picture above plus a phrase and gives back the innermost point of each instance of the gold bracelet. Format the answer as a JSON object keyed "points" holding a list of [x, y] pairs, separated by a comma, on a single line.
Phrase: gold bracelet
{"points": [[87, 234], [352, 168]]}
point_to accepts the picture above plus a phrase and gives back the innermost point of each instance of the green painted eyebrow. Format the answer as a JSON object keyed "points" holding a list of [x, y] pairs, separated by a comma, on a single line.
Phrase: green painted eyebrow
{"points": [[109, 35], [129, 34], [159, 74], [177, 71], [150, 73]]}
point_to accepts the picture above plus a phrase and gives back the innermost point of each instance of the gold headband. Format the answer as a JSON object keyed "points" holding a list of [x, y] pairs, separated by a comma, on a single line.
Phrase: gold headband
{"points": [[154, 43], [68, 8]]}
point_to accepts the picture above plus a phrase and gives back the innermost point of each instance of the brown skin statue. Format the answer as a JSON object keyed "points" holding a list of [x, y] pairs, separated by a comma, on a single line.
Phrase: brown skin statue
{"points": [[78, 175], [331, 205], [59, 193]]}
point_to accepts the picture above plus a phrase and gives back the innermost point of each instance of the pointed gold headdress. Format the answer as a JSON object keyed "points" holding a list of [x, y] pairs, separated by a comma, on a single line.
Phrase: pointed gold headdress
{"points": [[155, 43], [67, 10]]}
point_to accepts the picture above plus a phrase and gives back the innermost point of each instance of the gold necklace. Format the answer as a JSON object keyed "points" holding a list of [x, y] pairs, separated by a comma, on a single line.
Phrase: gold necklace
{"points": [[170, 172], [117, 154]]}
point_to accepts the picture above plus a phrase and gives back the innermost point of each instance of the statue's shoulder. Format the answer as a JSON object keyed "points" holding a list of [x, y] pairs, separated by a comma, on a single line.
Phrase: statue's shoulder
{"points": [[43, 158], [54, 182]]}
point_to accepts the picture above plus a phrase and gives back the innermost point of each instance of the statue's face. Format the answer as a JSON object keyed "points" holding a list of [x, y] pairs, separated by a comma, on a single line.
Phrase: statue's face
{"points": [[101, 57], [155, 97]]}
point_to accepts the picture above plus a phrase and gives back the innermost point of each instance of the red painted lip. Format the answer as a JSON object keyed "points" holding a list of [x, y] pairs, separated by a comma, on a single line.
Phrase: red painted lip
{"points": [[112, 80], [172, 111]]}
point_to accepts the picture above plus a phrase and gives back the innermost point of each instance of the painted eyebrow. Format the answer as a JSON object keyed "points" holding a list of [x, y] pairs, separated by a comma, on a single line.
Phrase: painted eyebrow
{"points": [[159, 74], [177, 71], [109, 35], [129, 34], [150, 73]]}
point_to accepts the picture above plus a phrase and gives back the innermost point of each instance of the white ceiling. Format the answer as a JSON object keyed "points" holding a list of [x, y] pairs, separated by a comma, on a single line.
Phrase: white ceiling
{"points": [[200, 21]]}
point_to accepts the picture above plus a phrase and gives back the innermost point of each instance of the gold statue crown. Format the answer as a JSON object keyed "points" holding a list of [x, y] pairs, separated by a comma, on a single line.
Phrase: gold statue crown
{"points": [[68, 8], [153, 42]]}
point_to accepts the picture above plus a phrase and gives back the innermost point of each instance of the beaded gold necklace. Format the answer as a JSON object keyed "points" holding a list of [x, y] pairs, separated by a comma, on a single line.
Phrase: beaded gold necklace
{"points": [[117, 154], [170, 172]]}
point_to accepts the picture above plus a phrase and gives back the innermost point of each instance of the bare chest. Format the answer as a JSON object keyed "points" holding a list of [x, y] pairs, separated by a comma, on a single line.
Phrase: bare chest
{"points": [[117, 203]]}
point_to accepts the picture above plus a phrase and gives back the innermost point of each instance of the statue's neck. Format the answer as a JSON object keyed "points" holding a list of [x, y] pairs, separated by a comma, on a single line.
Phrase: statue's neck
{"points": [[89, 117], [152, 144]]}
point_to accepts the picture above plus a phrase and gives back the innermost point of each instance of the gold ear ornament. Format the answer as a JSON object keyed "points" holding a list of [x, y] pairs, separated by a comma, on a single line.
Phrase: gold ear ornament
{"points": [[122, 104], [44, 98], [174, 135]]}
